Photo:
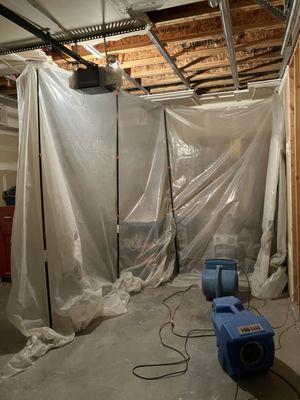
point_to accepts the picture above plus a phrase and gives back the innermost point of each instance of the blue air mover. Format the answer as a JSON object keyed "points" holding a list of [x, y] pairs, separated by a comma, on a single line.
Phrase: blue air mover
{"points": [[219, 278], [245, 341]]}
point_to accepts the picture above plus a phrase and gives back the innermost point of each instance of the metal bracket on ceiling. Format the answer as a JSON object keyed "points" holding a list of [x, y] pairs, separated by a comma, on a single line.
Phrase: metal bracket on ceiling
{"points": [[45, 37], [275, 11], [134, 82], [227, 28], [159, 45], [291, 34]]}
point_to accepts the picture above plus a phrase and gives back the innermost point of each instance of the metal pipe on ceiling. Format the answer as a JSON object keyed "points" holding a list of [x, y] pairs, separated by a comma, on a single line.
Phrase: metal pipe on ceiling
{"points": [[157, 43], [134, 82], [91, 49], [143, 17], [275, 11], [291, 35], [227, 28], [292, 23]]}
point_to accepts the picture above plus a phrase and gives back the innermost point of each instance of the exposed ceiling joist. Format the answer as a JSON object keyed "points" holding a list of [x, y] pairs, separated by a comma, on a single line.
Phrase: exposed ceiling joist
{"points": [[188, 33], [206, 64], [227, 28], [272, 9], [201, 10], [186, 47], [197, 49], [134, 82], [153, 37]]}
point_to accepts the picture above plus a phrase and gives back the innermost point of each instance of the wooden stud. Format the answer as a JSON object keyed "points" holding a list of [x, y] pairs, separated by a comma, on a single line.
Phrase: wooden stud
{"points": [[294, 78]]}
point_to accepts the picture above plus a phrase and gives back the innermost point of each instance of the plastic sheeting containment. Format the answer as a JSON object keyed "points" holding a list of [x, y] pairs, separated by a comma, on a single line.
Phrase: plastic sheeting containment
{"points": [[220, 167], [146, 221], [264, 284], [78, 138], [219, 163]]}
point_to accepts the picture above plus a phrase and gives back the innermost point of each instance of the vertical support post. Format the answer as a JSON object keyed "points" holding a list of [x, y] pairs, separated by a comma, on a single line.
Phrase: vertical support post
{"points": [[42, 202], [117, 188], [176, 241], [295, 168], [297, 159]]}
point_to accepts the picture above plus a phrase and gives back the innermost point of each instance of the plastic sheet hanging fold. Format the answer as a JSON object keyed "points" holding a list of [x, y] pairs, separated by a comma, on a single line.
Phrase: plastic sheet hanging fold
{"points": [[78, 153], [219, 160]]}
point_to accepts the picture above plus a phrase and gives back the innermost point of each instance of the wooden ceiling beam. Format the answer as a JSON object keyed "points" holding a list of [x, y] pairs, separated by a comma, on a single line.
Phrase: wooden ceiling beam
{"points": [[198, 46], [198, 30], [200, 10], [200, 49], [209, 63], [222, 83], [152, 57], [210, 75]]}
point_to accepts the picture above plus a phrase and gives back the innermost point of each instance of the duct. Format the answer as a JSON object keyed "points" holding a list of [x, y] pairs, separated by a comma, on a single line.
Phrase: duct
{"points": [[155, 40]]}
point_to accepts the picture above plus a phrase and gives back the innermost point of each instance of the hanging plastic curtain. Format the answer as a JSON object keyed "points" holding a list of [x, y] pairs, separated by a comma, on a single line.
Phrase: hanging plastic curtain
{"points": [[219, 161], [269, 277], [146, 221], [64, 233], [64, 244]]}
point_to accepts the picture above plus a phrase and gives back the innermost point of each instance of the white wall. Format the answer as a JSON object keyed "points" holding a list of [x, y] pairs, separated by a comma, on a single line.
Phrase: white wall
{"points": [[8, 156]]}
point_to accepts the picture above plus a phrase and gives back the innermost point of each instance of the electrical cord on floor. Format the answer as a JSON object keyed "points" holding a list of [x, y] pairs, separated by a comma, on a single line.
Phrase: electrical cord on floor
{"points": [[182, 292], [281, 334], [236, 390], [279, 376], [193, 333], [193, 336], [249, 288], [249, 306], [287, 382], [184, 361], [185, 357]]}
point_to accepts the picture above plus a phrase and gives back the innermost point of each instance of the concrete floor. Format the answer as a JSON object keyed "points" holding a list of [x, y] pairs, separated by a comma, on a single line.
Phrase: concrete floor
{"points": [[97, 364]]}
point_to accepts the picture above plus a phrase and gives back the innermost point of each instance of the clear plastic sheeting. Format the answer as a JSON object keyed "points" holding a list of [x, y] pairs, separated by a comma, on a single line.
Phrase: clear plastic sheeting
{"points": [[104, 154], [78, 160], [269, 277], [219, 161], [78, 192], [146, 221]]}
